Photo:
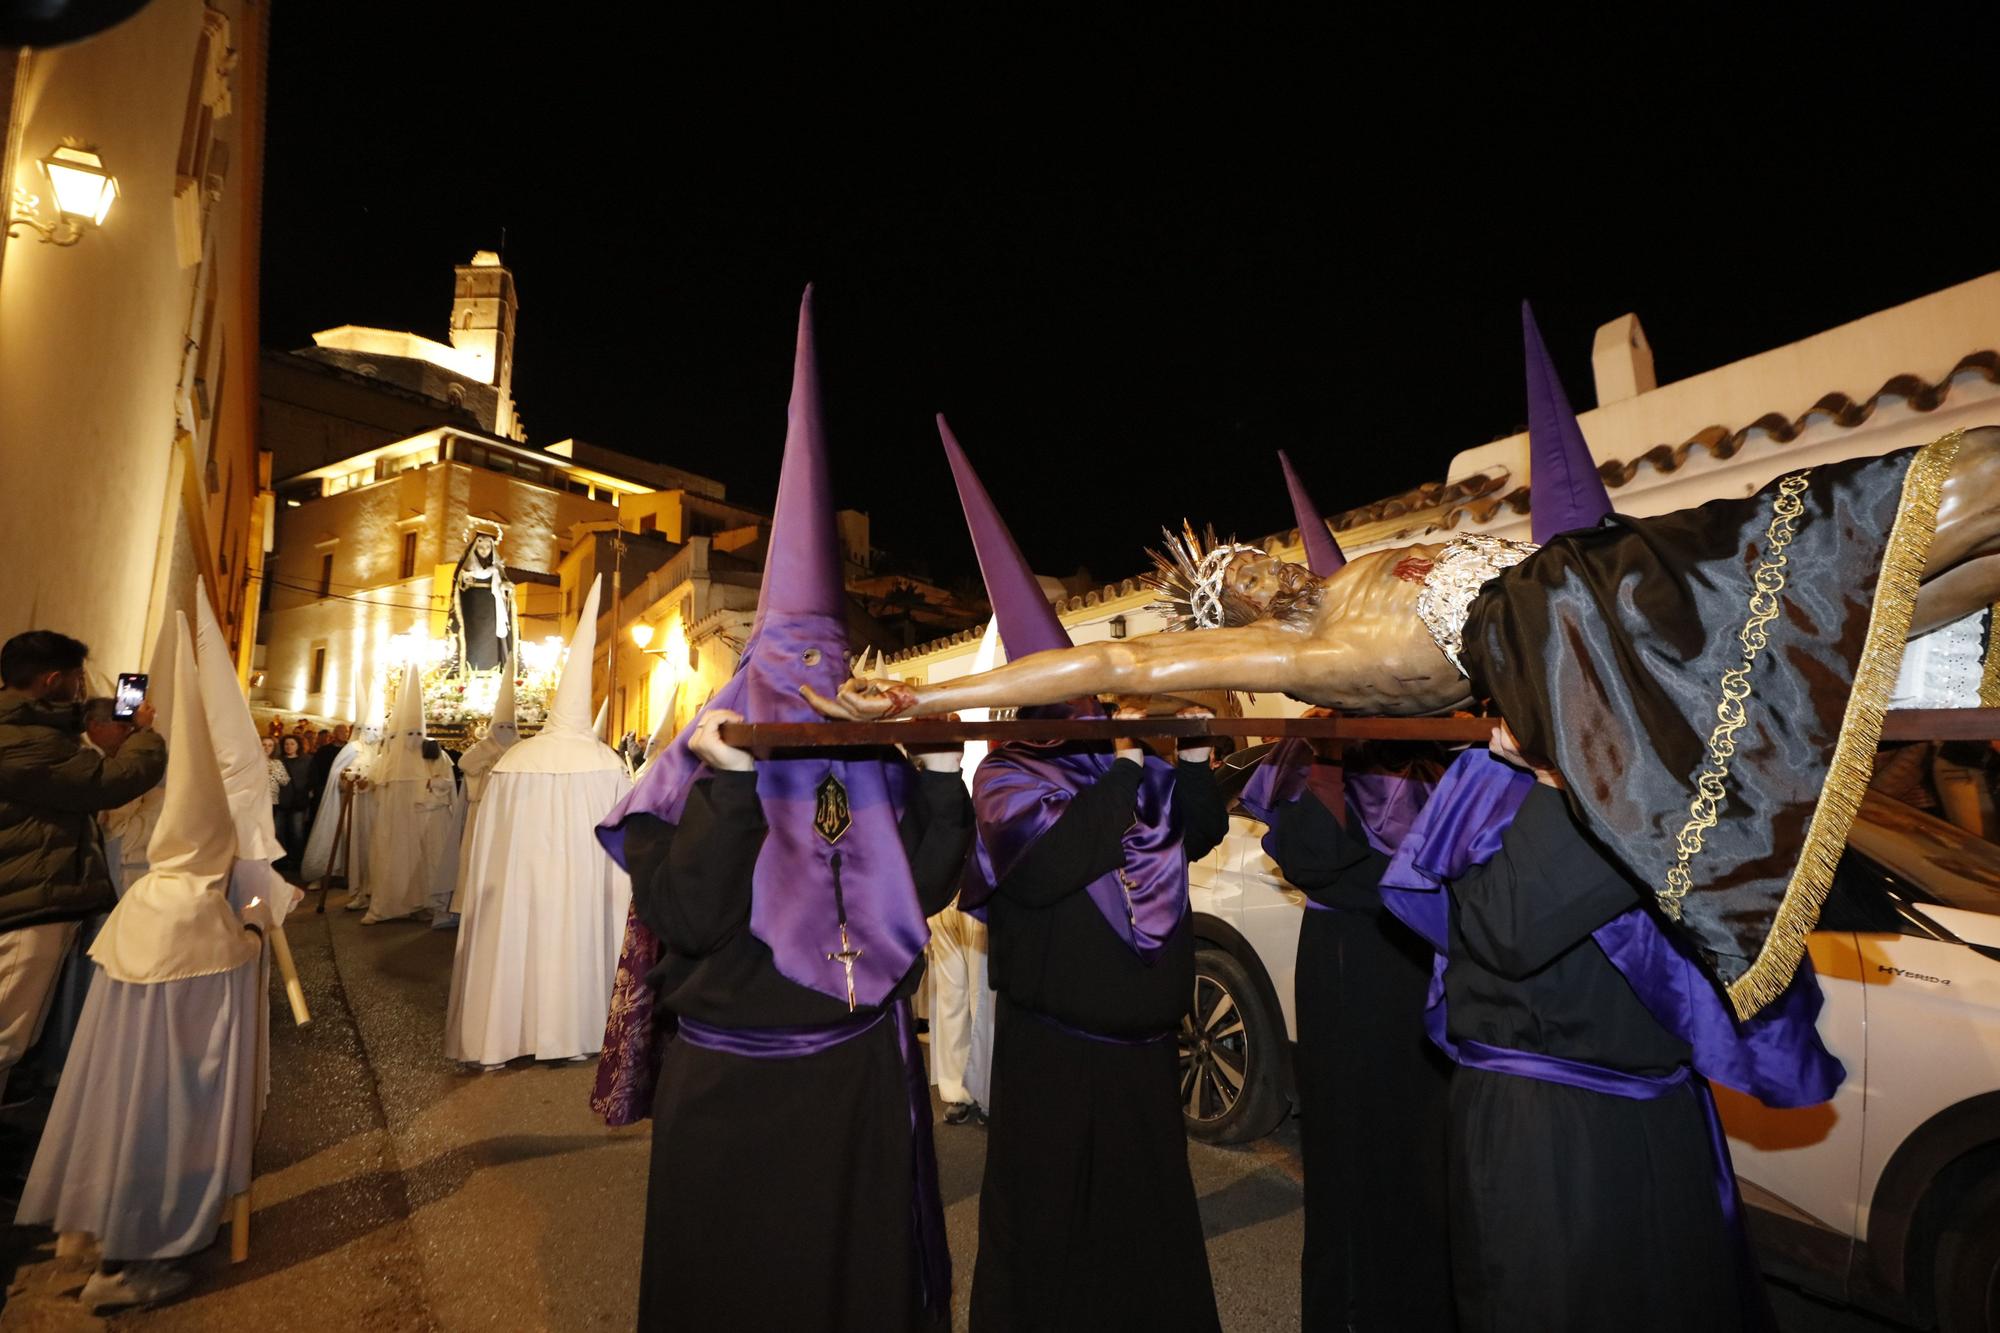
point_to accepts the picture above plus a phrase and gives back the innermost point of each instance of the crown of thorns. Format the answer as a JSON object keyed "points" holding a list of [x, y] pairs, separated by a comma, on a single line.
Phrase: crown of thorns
{"points": [[1188, 576]]}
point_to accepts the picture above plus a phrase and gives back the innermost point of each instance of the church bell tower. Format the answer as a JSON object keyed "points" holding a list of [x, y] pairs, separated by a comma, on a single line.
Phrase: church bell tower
{"points": [[483, 306]]}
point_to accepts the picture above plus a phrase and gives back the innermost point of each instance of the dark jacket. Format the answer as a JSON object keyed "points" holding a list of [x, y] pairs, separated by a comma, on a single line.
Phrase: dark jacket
{"points": [[298, 793], [52, 785]]}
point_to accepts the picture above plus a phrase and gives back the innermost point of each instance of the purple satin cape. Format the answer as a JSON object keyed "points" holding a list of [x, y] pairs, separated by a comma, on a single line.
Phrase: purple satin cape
{"points": [[1777, 1057], [926, 1201], [792, 905], [1387, 804], [1021, 790]]}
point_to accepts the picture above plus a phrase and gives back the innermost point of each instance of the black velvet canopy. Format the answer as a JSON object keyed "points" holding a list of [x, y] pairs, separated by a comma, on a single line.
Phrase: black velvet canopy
{"points": [[1711, 685]]}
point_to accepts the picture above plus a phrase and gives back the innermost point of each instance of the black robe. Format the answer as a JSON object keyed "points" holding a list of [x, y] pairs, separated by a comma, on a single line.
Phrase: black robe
{"points": [[1571, 1209], [1372, 1091], [780, 1190], [1087, 1213]]}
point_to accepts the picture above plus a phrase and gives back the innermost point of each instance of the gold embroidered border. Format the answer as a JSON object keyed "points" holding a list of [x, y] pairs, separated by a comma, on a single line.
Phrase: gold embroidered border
{"points": [[1711, 784], [1847, 776]]}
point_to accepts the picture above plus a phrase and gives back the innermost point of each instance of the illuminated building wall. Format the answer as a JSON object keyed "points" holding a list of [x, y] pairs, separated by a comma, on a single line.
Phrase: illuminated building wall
{"points": [[380, 548], [129, 361]]}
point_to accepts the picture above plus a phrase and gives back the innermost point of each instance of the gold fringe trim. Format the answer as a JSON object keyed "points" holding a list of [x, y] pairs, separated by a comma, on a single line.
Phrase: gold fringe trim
{"points": [[1712, 783], [1989, 676], [1847, 776]]}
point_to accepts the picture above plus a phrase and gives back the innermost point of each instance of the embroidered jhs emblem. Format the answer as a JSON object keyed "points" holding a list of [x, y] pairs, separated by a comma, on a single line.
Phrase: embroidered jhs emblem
{"points": [[831, 817]]}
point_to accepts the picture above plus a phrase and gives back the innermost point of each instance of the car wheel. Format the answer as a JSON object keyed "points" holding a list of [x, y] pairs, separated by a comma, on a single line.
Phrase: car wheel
{"points": [[1968, 1262], [1229, 1048]]}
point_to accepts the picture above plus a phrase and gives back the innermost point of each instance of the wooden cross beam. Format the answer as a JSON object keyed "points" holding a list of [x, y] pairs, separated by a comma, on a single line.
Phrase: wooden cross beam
{"points": [[1952, 724]]}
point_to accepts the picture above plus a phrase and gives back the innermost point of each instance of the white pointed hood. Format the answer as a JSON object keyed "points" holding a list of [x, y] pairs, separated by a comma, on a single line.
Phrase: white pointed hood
{"points": [[238, 748], [597, 722], [367, 712], [663, 735], [402, 758], [175, 922], [989, 656], [160, 680], [502, 731], [566, 743]]}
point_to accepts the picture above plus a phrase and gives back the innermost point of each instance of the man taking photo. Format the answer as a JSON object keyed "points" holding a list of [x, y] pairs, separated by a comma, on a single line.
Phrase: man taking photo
{"points": [[53, 871]]}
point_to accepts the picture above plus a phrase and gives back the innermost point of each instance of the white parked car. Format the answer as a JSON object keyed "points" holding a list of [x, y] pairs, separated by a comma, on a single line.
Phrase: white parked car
{"points": [[1888, 1197]]}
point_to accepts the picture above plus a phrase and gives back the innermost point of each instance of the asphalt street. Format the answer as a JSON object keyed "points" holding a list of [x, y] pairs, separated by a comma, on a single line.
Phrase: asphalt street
{"points": [[395, 1191]]}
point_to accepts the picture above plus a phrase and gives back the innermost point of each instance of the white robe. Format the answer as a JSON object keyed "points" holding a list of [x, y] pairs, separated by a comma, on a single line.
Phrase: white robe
{"points": [[152, 1126], [543, 918], [410, 846], [474, 766], [318, 855], [961, 1009]]}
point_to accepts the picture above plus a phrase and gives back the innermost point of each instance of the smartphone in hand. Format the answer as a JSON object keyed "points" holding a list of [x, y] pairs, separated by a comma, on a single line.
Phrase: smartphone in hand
{"points": [[131, 693]]}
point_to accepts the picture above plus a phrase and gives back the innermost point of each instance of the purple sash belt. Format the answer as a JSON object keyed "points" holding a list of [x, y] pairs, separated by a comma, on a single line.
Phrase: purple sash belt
{"points": [[1097, 1037], [1639, 1088], [777, 1043], [791, 1043]]}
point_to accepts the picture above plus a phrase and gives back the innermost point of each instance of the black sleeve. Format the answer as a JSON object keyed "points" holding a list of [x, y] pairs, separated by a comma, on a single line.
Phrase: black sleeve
{"points": [[1085, 843], [700, 895], [1316, 854], [937, 835], [1545, 890], [648, 840], [1204, 815]]}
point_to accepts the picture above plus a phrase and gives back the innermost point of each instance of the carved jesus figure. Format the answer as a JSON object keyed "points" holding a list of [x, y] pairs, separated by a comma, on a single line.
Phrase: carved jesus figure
{"points": [[1707, 682]]}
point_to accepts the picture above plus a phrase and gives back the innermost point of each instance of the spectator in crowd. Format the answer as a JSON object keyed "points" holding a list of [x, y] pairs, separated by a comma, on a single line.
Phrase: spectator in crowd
{"points": [[279, 778], [294, 805], [322, 767], [53, 868]]}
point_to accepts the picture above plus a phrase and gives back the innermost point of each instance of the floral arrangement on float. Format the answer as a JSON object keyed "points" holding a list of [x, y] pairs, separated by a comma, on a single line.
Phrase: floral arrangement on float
{"points": [[459, 706]]}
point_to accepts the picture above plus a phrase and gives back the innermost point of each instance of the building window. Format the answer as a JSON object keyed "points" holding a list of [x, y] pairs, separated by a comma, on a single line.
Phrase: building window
{"points": [[326, 574], [409, 555], [649, 523], [318, 681]]}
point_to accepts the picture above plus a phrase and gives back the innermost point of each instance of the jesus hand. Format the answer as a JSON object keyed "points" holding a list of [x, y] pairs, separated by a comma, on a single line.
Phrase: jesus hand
{"points": [[863, 699]]}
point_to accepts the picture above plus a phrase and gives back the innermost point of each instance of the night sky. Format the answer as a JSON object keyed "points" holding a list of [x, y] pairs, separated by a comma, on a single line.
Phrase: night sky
{"points": [[1128, 262]]}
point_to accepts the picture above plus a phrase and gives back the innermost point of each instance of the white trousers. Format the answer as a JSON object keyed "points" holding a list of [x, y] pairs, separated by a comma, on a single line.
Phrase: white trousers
{"points": [[31, 959], [961, 1009]]}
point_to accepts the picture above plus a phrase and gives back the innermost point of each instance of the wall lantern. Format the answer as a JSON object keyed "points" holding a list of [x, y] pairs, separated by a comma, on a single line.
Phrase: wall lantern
{"points": [[642, 634], [1117, 627], [84, 192]]}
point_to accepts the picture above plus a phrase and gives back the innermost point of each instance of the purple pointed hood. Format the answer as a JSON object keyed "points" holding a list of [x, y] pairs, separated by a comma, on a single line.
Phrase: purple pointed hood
{"points": [[1028, 624], [1565, 491], [1323, 554], [1020, 790], [800, 638]]}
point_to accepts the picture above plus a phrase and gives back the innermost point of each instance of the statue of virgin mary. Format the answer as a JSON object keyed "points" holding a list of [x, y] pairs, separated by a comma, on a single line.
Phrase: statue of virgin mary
{"points": [[481, 621]]}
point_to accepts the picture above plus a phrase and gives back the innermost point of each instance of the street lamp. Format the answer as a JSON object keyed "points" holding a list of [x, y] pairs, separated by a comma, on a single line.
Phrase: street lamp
{"points": [[84, 192], [642, 634]]}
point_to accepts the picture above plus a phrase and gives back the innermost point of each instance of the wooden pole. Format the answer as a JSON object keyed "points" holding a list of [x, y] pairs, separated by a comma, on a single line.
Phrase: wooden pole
{"points": [[281, 951], [1901, 725], [239, 1228], [342, 831]]}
